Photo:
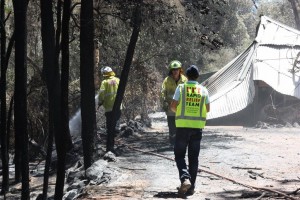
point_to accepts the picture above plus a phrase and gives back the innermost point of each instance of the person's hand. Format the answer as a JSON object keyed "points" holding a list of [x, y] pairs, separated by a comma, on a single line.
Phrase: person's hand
{"points": [[99, 105], [165, 106]]}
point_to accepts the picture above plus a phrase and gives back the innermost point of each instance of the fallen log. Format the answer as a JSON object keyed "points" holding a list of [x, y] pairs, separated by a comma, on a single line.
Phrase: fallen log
{"points": [[218, 175]]}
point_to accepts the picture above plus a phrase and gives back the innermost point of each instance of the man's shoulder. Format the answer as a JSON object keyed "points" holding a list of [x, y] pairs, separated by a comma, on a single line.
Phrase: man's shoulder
{"points": [[112, 78], [183, 78], [167, 79], [116, 78], [204, 89]]}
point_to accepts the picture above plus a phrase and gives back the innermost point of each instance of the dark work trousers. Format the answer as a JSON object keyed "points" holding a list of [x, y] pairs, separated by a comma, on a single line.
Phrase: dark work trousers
{"points": [[191, 138], [172, 129], [111, 131]]}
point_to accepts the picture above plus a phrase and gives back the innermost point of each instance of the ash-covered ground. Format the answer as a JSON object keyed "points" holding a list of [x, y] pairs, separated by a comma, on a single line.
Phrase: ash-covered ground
{"points": [[266, 157]]}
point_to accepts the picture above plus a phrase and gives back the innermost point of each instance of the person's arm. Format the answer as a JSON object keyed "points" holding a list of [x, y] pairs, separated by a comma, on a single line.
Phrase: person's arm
{"points": [[174, 104], [101, 94], [207, 102], [163, 95], [207, 107], [175, 101]]}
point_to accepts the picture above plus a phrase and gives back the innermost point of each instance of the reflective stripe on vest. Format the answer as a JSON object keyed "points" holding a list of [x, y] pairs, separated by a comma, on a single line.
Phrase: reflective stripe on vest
{"points": [[191, 113]]}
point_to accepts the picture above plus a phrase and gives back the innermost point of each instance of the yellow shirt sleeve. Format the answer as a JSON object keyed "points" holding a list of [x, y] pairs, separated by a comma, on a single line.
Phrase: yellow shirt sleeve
{"points": [[102, 92]]}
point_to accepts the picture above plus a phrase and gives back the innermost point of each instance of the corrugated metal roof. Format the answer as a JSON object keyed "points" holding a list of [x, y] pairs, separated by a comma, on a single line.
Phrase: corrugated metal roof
{"points": [[225, 76], [274, 66], [270, 58], [231, 89], [273, 32]]}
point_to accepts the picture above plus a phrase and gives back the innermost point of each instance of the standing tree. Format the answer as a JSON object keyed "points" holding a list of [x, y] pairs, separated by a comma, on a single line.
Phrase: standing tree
{"points": [[5, 121], [88, 114], [65, 71], [48, 45], [20, 98], [52, 77], [137, 21], [3, 131]]}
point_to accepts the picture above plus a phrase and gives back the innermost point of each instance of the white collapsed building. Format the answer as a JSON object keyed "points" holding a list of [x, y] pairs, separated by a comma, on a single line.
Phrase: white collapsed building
{"points": [[268, 66]]}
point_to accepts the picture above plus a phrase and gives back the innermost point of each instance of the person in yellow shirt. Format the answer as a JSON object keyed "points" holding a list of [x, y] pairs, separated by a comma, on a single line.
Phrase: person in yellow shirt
{"points": [[174, 78], [191, 104], [107, 95]]}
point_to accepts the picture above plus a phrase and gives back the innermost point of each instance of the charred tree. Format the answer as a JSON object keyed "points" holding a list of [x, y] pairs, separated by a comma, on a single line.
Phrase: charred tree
{"points": [[9, 117], [88, 114], [137, 21], [65, 72], [58, 32], [52, 77], [3, 131], [62, 137], [6, 130], [48, 46], [20, 106]]}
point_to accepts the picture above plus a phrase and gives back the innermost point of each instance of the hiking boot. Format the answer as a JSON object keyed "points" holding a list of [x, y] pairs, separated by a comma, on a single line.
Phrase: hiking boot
{"points": [[190, 191], [185, 185]]}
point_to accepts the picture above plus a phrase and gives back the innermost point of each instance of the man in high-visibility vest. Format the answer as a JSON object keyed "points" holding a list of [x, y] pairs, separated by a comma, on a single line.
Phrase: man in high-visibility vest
{"points": [[107, 95], [190, 103], [174, 78]]}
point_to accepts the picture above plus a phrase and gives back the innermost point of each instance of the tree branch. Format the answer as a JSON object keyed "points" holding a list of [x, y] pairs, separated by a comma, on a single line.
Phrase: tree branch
{"points": [[254, 3], [7, 17]]}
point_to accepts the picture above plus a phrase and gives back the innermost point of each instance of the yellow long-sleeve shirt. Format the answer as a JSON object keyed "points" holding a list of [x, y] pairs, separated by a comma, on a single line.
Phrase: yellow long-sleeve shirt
{"points": [[108, 92], [168, 88]]}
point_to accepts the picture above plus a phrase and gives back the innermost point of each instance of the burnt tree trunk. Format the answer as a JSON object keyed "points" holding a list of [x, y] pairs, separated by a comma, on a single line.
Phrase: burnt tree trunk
{"points": [[126, 68], [20, 106], [9, 117], [6, 130], [48, 46], [3, 131], [59, 133], [88, 114], [52, 77], [48, 156], [296, 13], [65, 72]]}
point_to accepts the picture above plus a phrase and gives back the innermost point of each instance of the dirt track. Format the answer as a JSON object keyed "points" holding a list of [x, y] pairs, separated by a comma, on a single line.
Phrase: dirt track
{"points": [[259, 157]]}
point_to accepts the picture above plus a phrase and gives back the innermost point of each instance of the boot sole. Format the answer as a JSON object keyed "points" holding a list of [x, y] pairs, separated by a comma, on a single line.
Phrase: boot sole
{"points": [[184, 188]]}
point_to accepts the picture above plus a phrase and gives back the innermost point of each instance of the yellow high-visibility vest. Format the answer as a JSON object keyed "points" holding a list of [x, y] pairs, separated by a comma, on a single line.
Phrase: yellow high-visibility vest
{"points": [[108, 92], [191, 110]]}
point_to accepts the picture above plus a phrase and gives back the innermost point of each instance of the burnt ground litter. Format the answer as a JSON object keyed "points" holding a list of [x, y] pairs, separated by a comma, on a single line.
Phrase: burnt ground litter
{"points": [[261, 156]]}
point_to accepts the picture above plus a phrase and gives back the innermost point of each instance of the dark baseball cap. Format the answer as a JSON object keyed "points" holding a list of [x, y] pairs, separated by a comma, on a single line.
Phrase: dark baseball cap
{"points": [[192, 71]]}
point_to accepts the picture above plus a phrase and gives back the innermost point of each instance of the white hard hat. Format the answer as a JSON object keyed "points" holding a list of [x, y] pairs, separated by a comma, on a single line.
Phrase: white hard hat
{"points": [[105, 70]]}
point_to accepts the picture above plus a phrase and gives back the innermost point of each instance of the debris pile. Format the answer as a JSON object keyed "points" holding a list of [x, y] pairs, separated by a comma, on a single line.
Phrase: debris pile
{"points": [[132, 128], [277, 117], [78, 179], [100, 172]]}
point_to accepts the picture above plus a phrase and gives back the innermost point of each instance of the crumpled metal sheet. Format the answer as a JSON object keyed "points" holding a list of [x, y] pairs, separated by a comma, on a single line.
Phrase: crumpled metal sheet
{"points": [[270, 58]]}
